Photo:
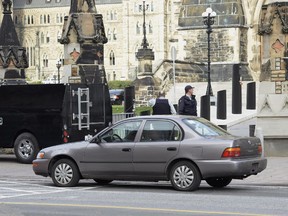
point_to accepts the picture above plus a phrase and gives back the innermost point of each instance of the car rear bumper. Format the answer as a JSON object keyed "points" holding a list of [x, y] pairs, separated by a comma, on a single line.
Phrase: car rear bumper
{"points": [[235, 168], [41, 167]]}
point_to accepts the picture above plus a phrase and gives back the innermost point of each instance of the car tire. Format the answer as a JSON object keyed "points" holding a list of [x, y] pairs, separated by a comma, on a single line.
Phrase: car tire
{"points": [[185, 176], [65, 173], [102, 181], [219, 182], [26, 148]]}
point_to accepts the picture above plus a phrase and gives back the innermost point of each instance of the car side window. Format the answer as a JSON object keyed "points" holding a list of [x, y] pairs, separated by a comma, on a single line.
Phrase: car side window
{"points": [[124, 132], [160, 130]]}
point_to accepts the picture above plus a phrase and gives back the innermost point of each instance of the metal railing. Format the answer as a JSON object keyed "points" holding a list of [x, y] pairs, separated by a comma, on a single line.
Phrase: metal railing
{"points": [[120, 116]]}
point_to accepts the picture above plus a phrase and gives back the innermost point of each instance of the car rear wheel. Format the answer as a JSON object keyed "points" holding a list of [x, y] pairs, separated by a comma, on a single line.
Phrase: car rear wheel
{"points": [[65, 173], [102, 181], [185, 176], [26, 148], [219, 182]]}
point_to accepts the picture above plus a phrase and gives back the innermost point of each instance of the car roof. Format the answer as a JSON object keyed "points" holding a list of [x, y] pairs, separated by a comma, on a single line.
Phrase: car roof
{"points": [[171, 117]]}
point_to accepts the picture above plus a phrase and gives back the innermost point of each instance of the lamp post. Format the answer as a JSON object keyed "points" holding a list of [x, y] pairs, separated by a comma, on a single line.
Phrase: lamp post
{"points": [[58, 65], [208, 18], [145, 43]]}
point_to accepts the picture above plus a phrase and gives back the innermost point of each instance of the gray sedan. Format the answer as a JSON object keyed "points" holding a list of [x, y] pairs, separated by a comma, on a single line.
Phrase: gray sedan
{"points": [[181, 149]]}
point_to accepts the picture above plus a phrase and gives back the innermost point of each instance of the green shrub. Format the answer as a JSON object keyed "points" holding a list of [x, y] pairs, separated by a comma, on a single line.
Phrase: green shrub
{"points": [[120, 109], [117, 84]]}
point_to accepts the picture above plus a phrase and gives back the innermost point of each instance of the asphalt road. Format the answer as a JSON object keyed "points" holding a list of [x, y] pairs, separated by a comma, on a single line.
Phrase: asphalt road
{"points": [[24, 194]]}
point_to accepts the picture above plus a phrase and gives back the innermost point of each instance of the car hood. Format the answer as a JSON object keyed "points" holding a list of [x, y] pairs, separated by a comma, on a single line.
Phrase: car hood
{"points": [[67, 149]]}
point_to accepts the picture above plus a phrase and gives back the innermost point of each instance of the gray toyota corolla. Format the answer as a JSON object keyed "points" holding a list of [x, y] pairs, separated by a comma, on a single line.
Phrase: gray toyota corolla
{"points": [[181, 149]]}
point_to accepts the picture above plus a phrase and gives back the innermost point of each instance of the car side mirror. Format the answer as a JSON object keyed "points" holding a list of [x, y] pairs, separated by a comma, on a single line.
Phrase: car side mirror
{"points": [[96, 139]]}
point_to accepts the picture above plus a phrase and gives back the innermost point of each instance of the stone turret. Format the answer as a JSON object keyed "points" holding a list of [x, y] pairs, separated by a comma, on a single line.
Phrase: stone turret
{"points": [[83, 36], [13, 58]]}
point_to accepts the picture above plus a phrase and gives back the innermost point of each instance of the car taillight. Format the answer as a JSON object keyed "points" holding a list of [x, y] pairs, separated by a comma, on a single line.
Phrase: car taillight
{"points": [[65, 136], [260, 149], [231, 152]]}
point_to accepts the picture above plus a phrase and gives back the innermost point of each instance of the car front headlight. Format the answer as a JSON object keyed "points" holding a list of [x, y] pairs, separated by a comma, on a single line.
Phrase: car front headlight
{"points": [[40, 155]]}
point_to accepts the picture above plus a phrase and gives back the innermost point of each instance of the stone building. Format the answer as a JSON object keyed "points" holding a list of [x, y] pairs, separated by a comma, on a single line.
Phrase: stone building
{"points": [[238, 35]]}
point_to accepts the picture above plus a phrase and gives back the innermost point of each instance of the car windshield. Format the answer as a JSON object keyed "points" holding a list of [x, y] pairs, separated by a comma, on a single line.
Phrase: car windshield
{"points": [[204, 127]]}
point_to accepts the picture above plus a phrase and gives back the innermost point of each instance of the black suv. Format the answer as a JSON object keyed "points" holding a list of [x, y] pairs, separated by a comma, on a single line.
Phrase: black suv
{"points": [[116, 96]]}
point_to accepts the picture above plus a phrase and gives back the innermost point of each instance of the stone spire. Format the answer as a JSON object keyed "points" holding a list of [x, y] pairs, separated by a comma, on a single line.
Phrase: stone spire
{"points": [[82, 6], [83, 36], [13, 57]]}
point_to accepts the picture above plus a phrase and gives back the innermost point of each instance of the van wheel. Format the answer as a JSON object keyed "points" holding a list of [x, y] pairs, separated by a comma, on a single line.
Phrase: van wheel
{"points": [[26, 148]]}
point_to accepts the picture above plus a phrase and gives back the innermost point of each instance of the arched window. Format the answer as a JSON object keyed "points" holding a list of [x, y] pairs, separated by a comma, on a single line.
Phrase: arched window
{"points": [[32, 19], [47, 37], [112, 58], [45, 60], [48, 19], [109, 35], [41, 19], [61, 18], [114, 34], [25, 20], [28, 20], [57, 18], [150, 27], [42, 38], [111, 15], [138, 28], [59, 35], [44, 19], [16, 20], [115, 15]]}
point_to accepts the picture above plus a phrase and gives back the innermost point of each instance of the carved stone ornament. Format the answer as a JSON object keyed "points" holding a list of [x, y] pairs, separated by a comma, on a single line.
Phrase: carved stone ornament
{"points": [[282, 12]]}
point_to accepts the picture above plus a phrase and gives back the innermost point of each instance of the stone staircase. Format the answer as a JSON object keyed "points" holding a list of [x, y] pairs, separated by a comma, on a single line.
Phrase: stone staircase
{"points": [[237, 124]]}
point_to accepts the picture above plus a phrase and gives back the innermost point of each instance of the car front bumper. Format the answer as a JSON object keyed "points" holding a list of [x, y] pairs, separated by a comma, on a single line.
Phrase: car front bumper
{"points": [[235, 168], [41, 167]]}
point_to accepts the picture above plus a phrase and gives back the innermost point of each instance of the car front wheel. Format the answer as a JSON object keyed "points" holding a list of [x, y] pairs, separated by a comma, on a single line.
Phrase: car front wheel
{"points": [[219, 182], [64, 173], [185, 176]]}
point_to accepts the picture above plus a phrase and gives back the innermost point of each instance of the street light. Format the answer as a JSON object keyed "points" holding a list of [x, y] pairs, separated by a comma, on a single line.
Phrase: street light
{"points": [[145, 43], [208, 18], [58, 65]]}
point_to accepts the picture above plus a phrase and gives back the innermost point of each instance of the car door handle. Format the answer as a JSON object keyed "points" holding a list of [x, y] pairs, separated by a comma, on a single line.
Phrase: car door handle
{"points": [[126, 149], [171, 149]]}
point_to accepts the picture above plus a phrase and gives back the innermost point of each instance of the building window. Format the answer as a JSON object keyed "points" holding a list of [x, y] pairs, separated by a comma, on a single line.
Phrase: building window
{"points": [[45, 60], [112, 58], [48, 19], [41, 19], [109, 35], [42, 38], [32, 19], [114, 34], [150, 27], [277, 63], [16, 20], [138, 28], [47, 37]]}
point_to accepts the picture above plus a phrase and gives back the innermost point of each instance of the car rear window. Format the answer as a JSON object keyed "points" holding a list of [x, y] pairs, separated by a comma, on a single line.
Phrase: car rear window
{"points": [[204, 127]]}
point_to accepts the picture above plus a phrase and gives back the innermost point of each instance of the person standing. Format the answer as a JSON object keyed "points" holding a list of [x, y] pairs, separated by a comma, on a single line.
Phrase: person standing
{"points": [[161, 105], [187, 104]]}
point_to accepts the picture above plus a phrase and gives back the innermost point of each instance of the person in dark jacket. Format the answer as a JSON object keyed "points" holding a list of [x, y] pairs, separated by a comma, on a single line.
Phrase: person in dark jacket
{"points": [[161, 105], [187, 104]]}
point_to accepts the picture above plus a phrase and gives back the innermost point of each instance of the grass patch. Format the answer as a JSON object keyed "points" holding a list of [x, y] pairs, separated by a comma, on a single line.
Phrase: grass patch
{"points": [[120, 109]]}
